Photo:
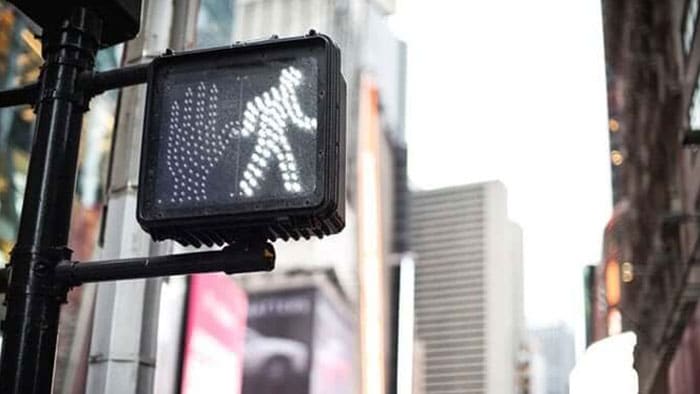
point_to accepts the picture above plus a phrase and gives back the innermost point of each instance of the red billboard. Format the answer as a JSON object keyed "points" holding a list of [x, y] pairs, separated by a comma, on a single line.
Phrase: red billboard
{"points": [[214, 336]]}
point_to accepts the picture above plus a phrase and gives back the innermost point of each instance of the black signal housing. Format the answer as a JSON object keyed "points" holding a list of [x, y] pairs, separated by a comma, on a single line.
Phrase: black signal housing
{"points": [[246, 141], [121, 19]]}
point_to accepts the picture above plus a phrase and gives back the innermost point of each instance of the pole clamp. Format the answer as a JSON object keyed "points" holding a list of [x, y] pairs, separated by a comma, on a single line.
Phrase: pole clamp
{"points": [[41, 265], [53, 94]]}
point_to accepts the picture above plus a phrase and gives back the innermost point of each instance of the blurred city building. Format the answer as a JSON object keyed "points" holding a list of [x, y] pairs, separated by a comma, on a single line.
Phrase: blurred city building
{"points": [[301, 335], [404, 350], [648, 280], [376, 236], [468, 294], [531, 372], [555, 345], [538, 374], [418, 368]]}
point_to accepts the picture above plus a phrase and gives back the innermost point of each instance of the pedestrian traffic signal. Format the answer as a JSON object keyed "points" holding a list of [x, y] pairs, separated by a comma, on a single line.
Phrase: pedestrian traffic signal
{"points": [[244, 141]]}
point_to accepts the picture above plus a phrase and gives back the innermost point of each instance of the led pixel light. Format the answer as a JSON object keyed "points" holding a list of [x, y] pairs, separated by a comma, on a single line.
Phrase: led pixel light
{"points": [[197, 141], [244, 140], [241, 136], [269, 118]]}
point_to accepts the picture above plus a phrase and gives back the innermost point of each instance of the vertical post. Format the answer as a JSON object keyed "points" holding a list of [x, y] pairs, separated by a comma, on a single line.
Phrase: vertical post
{"points": [[33, 297]]}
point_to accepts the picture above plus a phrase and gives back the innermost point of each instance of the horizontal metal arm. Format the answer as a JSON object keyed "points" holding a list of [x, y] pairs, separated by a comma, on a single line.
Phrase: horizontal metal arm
{"points": [[4, 273], [24, 95], [94, 82], [100, 81], [231, 260]]}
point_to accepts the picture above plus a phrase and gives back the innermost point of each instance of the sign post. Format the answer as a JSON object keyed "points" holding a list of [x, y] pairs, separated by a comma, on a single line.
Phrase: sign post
{"points": [[33, 296]]}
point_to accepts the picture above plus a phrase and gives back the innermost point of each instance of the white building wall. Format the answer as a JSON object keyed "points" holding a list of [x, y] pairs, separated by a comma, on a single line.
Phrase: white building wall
{"points": [[538, 374], [468, 301], [500, 293], [517, 267]]}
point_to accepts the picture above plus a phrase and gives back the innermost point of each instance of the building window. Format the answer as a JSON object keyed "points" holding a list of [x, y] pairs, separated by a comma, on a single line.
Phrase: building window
{"points": [[694, 109], [694, 116], [691, 17], [215, 23]]}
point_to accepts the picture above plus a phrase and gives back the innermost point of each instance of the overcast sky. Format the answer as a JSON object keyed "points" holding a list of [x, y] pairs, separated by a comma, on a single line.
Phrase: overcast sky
{"points": [[515, 90]]}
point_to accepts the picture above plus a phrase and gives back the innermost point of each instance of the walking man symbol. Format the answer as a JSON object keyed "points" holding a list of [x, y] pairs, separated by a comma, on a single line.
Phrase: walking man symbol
{"points": [[196, 143]]}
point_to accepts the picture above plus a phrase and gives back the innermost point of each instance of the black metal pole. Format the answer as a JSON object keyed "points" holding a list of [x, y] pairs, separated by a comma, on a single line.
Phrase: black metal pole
{"points": [[34, 297]]}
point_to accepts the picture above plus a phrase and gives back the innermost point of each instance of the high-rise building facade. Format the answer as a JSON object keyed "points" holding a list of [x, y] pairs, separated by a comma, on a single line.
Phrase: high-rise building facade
{"points": [[649, 274], [556, 346], [468, 288]]}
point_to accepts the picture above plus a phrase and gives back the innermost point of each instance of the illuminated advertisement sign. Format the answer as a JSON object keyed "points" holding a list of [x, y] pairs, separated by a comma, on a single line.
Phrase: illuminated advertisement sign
{"points": [[214, 336], [297, 343]]}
